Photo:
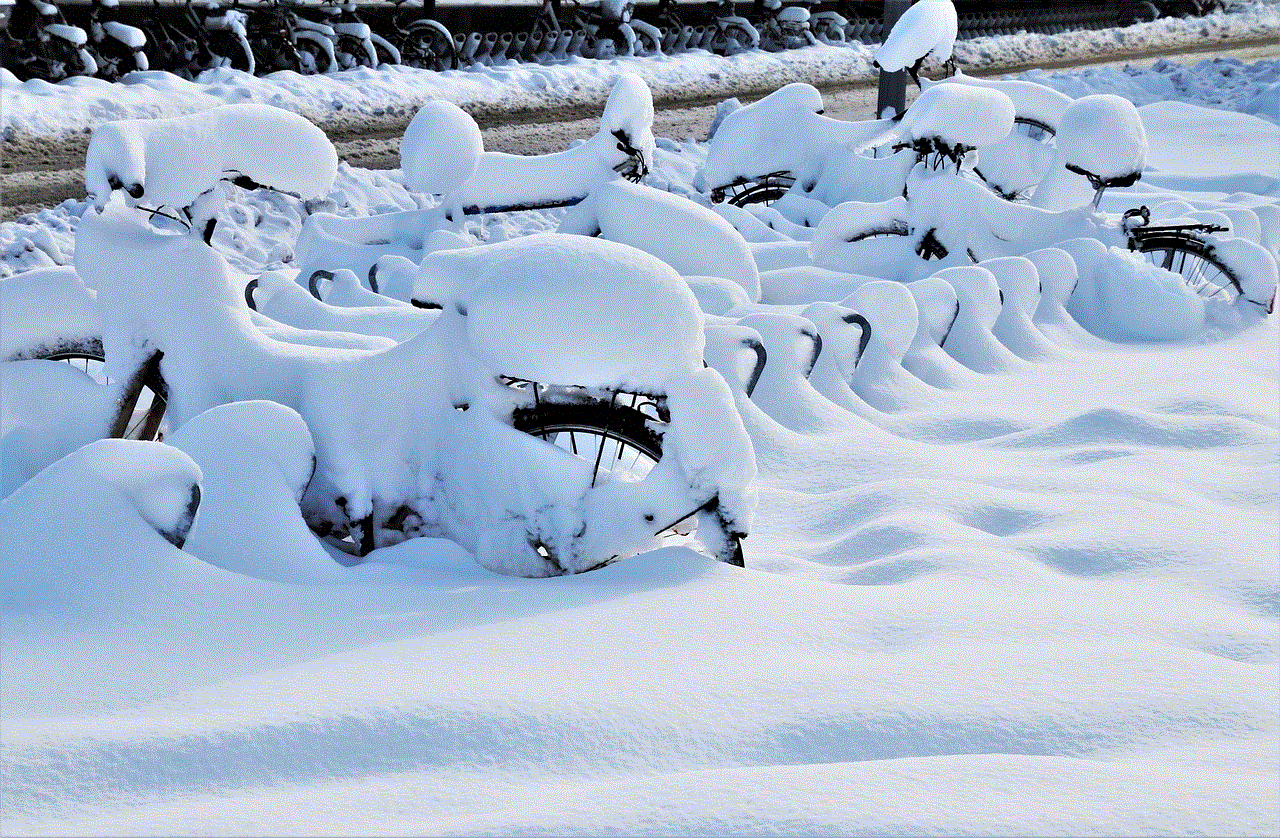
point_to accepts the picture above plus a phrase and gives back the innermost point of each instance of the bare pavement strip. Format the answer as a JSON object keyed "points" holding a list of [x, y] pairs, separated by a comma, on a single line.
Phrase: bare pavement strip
{"points": [[43, 172]]}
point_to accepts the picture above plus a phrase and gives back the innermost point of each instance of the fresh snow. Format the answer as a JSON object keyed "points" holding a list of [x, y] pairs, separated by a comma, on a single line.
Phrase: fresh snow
{"points": [[1012, 567], [927, 29]]}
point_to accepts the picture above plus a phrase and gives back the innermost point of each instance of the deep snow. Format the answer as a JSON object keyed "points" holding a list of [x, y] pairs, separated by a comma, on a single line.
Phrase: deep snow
{"points": [[1036, 599]]}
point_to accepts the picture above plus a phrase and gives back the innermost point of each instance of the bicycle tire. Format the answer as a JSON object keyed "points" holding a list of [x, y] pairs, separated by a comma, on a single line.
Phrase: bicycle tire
{"points": [[899, 228], [312, 59], [1194, 259], [351, 53], [427, 46], [610, 45], [760, 193], [763, 190], [592, 428]]}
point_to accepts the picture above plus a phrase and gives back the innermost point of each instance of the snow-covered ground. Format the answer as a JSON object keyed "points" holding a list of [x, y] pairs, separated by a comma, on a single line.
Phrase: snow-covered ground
{"points": [[1041, 599]]}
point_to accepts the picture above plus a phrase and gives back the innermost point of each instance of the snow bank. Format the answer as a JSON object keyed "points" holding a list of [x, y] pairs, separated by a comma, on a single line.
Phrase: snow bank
{"points": [[172, 161]]}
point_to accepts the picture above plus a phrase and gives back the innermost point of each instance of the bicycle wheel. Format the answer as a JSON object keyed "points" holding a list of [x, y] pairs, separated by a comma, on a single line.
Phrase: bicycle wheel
{"points": [[610, 44], [428, 45], [1194, 259], [765, 190], [350, 52], [616, 439], [730, 40], [141, 408], [622, 443], [896, 228], [312, 58]]}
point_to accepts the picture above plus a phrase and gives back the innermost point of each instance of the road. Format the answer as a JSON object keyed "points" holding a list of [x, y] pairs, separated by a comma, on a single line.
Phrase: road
{"points": [[42, 173]]}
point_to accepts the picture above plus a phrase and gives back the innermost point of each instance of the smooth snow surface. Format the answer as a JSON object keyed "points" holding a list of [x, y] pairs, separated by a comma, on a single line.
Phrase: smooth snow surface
{"points": [[1012, 553], [440, 149]]}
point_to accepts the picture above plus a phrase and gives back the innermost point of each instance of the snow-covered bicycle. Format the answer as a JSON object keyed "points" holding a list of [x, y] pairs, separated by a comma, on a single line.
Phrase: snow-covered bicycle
{"points": [[455, 431], [949, 215]]}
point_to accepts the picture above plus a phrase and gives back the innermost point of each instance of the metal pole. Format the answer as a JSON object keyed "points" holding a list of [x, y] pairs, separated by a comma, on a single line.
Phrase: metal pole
{"points": [[893, 86]]}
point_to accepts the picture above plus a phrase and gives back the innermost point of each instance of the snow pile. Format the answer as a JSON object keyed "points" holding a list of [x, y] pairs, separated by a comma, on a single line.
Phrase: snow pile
{"points": [[507, 180], [783, 131], [959, 115], [1128, 299], [1103, 135], [260, 450], [663, 225], [575, 310], [171, 162], [440, 149], [45, 311]]}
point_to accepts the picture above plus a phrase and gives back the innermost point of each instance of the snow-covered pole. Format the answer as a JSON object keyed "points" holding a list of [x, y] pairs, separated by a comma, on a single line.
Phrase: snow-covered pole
{"points": [[893, 86]]}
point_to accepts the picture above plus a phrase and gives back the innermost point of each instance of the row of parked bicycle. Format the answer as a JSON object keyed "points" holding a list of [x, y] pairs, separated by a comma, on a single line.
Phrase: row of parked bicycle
{"points": [[107, 40]]}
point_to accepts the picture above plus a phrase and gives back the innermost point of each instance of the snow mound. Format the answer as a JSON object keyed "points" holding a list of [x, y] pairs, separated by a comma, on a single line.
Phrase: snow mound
{"points": [[575, 310], [1127, 299], [121, 486], [257, 458], [1103, 135], [926, 29], [503, 180], [1031, 101], [440, 149], [172, 161], [45, 310], [959, 115], [784, 131], [663, 225]]}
